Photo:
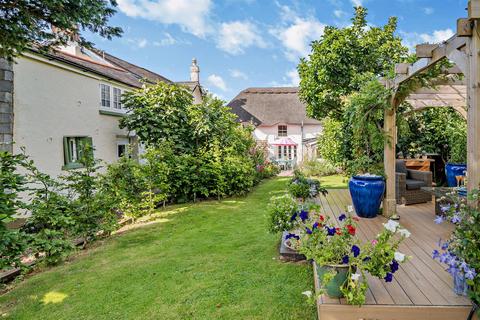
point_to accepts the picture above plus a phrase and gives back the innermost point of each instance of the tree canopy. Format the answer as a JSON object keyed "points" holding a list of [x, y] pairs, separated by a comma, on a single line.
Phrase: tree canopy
{"points": [[341, 57], [49, 23]]}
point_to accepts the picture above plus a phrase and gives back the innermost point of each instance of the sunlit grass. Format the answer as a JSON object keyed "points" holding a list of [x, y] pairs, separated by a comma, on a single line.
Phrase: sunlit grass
{"points": [[209, 260], [334, 182]]}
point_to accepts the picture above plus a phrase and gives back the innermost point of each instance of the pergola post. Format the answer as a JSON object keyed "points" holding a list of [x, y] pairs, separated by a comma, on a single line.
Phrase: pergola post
{"points": [[473, 103], [390, 202]]}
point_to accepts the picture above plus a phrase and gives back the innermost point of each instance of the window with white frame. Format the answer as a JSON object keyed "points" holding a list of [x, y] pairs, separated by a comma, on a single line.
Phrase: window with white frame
{"points": [[117, 98], [105, 95], [282, 130]]}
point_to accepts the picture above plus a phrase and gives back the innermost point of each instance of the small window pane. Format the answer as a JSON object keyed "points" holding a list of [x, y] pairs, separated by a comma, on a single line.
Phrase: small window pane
{"points": [[121, 150], [105, 95], [282, 131], [117, 98]]}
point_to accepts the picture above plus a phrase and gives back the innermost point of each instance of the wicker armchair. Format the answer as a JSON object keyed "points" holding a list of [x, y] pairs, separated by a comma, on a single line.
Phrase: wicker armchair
{"points": [[409, 184]]}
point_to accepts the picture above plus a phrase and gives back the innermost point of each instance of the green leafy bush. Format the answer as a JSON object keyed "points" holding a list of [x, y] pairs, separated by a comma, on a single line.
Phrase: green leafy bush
{"points": [[330, 143], [282, 211], [318, 168], [302, 187]]}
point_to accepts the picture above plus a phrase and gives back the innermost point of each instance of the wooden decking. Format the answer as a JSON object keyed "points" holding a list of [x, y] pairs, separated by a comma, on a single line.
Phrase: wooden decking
{"points": [[421, 289]]}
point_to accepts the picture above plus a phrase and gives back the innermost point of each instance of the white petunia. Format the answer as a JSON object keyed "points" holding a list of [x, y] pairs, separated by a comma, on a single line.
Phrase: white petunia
{"points": [[307, 293], [349, 209], [400, 257], [355, 276], [404, 233], [391, 225]]}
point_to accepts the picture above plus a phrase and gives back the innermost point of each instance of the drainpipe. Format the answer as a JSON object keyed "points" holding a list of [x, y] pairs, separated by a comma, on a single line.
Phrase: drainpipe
{"points": [[301, 141]]}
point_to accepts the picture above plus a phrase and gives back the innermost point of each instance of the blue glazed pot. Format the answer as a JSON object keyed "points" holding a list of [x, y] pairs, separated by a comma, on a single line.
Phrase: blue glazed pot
{"points": [[367, 194], [452, 170]]}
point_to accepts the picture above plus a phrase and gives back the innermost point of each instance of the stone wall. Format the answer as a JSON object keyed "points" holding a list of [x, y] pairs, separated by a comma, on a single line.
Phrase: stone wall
{"points": [[6, 106]]}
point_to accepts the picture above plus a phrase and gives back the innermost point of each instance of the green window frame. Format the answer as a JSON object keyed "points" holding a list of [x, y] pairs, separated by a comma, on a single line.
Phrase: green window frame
{"points": [[72, 151]]}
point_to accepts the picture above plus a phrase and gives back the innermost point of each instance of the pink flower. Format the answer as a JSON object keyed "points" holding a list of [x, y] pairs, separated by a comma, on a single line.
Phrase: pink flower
{"points": [[374, 242]]}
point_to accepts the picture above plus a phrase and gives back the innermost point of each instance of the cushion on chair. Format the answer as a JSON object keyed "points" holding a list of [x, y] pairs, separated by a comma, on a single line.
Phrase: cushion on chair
{"points": [[400, 167], [414, 184]]}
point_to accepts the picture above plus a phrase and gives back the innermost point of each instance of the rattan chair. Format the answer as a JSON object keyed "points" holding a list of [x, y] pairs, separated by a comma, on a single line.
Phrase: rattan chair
{"points": [[409, 184]]}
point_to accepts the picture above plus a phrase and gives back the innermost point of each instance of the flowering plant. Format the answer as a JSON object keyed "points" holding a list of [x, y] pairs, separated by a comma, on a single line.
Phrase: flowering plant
{"points": [[302, 187], [339, 248], [461, 252]]}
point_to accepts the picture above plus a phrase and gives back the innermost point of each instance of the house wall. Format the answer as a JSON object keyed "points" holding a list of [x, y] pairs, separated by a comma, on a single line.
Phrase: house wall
{"points": [[294, 132], [52, 101]]}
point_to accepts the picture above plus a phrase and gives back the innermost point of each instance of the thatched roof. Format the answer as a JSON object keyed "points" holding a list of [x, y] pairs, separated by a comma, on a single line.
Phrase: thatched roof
{"points": [[269, 106]]}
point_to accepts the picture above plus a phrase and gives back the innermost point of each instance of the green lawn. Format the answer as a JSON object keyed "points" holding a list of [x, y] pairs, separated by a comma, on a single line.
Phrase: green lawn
{"points": [[210, 260], [334, 182]]}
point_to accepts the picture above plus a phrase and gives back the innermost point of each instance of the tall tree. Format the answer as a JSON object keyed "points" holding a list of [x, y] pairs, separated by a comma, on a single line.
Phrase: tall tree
{"points": [[340, 59], [49, 23]]}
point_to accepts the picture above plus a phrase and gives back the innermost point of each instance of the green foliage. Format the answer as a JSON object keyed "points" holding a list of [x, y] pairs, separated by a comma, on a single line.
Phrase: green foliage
{"points": [[25, 23], [434, 130], [51, 224], [268, 170], [302, 187], [340, 57], [204, 151], [318, 168], [330, 142], [13, 244], [281, 209], [92, 209], [11, 183]]}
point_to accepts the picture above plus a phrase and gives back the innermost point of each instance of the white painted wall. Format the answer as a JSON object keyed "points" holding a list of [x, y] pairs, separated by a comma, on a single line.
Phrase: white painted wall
{"points": [[294, 132], [52, 101]]}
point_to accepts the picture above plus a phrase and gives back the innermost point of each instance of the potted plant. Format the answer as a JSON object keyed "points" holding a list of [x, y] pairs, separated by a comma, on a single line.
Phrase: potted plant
{"points": [[456, 165], [461, 252], [342, 261]]}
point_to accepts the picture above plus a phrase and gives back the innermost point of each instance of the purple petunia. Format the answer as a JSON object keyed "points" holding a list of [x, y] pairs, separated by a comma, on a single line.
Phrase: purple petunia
{"points": [[330, 231], [308, 230], [315, 225], [303, 215], [292, 235], [294, 216], [456, 218], [394, 266], [435, 254], [342, 217], [355, 250], [445, 208], [444, 246], [388, 277], [366, 259], [470, 274], [439, 219], [345, 259]]}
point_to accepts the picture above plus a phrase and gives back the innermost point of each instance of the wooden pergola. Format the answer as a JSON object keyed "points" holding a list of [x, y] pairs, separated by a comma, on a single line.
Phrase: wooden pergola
{"points": [[463, 49]]}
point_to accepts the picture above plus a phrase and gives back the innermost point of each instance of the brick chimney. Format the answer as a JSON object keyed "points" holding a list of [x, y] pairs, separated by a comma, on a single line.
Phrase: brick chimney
{"points": [[194, 71]]}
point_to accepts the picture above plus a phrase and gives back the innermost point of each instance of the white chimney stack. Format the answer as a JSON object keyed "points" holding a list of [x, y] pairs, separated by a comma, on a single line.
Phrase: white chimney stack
{"points": [[194, 71]]}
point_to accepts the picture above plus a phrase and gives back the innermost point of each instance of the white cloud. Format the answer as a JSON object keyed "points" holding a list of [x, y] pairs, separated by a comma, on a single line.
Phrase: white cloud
{"points": [[238, 74], [339, 13], [428, 10], [411, 39], [291, 79], [297, 33], [294, 77], [217, 81], [191, 15], [138, 43], [357, 3], [168, 40], [234, 37]]}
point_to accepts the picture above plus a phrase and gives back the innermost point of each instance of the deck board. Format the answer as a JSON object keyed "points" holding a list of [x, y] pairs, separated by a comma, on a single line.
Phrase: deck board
{"points": [[421, 287]]}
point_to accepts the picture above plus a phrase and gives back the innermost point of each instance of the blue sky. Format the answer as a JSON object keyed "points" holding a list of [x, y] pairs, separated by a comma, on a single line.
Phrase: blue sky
{"points": [[252, 43]]}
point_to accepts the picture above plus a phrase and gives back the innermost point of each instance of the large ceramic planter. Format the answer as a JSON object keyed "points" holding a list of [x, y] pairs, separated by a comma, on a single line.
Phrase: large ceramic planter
{"points": [[367, 194], [452, 170], [332, 288]]}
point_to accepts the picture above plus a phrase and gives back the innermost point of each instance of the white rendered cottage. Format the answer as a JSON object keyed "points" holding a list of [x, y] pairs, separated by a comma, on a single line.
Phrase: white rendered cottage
{"points": [[52, 103], [280, 122]]}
